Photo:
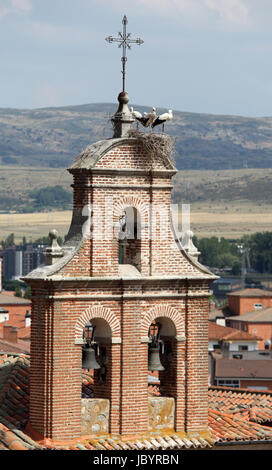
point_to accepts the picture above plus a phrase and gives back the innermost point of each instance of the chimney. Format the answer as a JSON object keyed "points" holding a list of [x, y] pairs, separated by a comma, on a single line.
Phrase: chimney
{"points": [[10, 334], [224, 346], [27, 318]]}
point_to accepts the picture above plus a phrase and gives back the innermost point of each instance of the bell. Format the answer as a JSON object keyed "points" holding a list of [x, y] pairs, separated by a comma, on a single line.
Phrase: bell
{"points": [[88, 358], [154, 362]]}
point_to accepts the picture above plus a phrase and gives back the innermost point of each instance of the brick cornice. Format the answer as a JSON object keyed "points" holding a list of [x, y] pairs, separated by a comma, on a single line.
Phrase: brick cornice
{"points": [[129, 172], [124, 296]]}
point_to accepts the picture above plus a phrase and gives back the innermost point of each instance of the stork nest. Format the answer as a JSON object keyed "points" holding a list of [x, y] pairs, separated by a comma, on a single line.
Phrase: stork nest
{"points": [[156, 145]]}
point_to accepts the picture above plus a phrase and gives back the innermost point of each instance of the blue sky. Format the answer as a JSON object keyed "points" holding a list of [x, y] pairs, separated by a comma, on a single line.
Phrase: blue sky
{"points": [[208, 56]]}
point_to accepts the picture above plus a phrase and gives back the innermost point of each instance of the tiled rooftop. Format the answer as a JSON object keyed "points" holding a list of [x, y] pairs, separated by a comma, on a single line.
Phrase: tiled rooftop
{"points": [[251, 405], [251, 293], [219, 332], [234, 415], [255, 316], [243, 368], [21, 347], [8, 299]]}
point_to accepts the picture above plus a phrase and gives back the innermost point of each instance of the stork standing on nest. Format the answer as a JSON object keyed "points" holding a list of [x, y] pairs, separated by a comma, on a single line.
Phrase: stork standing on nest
{"points": [[145, 120], [162, 119]]}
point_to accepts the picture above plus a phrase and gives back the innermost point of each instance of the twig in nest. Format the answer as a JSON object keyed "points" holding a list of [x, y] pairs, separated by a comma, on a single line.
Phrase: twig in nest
{"points": [[156, 145]]}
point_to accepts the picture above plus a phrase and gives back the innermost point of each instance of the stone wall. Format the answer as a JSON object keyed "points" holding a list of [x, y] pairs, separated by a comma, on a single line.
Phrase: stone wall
{"points": [[161, 411], [95, 415]]}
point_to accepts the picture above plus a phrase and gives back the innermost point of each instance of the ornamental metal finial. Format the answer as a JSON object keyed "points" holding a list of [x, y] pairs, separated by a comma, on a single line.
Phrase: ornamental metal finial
{"points": [[125, 41]]}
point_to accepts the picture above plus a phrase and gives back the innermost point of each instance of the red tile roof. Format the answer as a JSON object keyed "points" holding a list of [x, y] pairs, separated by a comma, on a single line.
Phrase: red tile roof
{"points": [[251, 293], [231, 428], [251, 405], [21, 347], [255, 316], [225, 425], [8, 299], [244, 368], [219, 332]]}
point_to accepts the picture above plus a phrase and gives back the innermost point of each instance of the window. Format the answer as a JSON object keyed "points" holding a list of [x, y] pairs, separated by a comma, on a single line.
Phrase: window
{"points": [[228, 383], [242, 347], [258, 306]]}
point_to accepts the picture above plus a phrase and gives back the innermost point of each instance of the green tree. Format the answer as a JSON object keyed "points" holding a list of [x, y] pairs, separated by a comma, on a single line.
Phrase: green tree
{"points": [[260, 251], [51, 196], [8, 242], [27, 294], [18, 292]]}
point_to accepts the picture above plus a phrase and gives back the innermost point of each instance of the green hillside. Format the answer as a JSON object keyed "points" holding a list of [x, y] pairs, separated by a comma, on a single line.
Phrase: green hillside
{"points": [[52, 137]]}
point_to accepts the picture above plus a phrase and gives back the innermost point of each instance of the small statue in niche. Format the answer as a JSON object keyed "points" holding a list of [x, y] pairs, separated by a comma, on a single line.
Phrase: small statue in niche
{"points": [[123, 243]]}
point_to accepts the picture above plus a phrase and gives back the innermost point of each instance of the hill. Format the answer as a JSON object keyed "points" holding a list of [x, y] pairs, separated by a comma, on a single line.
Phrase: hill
{"points": [[53, 137]]}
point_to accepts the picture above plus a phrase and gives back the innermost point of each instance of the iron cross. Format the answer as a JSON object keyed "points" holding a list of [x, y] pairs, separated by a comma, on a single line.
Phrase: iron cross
{"points": [[125, 41]]}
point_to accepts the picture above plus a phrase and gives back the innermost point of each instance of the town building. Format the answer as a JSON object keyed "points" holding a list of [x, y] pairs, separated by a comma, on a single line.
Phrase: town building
{"points": [[12, 304], [244, 370], [236, 339], [257, 322], [19, 260], [246, 300]]}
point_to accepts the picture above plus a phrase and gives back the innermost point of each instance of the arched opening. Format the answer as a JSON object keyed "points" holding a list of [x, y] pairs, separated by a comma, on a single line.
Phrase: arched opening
{"points": [[162, 375], [162, 357], [97, 377], [96, 359], [130, 237]]}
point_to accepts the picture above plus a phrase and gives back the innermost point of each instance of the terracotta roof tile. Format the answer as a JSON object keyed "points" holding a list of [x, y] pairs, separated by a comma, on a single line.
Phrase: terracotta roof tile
{"points": [[219, 332], [246, 368], [251, 293], [7, 299], [256, 405]]}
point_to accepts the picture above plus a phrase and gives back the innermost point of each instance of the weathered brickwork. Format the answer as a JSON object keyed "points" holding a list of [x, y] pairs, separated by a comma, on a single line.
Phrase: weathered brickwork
{"points": [[169, 286]]}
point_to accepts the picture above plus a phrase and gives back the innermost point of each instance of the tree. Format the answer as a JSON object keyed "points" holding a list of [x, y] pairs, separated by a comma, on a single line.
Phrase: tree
{"points": [[8, 242], [27, 294], [260, 251], [18, 292]]}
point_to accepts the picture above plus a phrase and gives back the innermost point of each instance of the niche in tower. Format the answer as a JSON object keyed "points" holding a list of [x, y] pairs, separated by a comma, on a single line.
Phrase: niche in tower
{"points": [[130, 238]]}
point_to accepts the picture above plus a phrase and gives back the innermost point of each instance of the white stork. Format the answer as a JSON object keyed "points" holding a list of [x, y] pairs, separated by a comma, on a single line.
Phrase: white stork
{"points": [[162, 119], [145, 119]]}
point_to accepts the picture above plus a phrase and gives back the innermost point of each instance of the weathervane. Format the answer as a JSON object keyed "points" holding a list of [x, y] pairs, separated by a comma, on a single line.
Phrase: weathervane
{"points": [[125, 41]]}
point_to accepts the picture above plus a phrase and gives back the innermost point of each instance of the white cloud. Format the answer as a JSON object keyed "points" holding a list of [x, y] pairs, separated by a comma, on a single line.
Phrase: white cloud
{"points": [[14, 6], [230, 12], [58, 34], [233, 11], [21, 5]]}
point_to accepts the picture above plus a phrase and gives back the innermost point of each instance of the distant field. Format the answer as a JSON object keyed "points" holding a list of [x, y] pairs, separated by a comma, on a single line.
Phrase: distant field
{"points": [[226, 203], [35, 225], [231, 223]]}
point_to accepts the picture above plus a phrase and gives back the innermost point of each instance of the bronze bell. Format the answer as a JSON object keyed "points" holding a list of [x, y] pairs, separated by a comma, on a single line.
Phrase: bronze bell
{"points": [[154, 362], [88, 358]]}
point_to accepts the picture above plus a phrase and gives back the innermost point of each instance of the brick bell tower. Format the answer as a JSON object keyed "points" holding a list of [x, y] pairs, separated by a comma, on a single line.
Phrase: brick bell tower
{"points": [[121, 269], [121, 297]]}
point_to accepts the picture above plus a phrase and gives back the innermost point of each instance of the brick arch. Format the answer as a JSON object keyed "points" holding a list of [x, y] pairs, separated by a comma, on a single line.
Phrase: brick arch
{"points": [[166, 311], [97, 311], [131, 201]]}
